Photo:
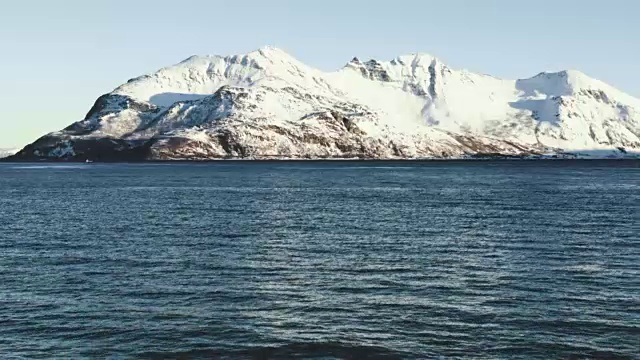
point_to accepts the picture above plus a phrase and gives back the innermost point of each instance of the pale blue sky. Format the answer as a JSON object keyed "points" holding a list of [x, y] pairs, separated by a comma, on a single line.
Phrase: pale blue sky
{"points": [[59, 56]]}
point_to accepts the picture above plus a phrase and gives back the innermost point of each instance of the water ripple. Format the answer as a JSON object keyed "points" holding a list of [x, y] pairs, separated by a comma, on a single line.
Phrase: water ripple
{"points": [[321, 260]]}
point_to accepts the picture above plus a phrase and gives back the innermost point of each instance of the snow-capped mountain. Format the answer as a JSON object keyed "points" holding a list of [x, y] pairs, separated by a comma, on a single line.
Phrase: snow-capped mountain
{"points": [[267, 104]]}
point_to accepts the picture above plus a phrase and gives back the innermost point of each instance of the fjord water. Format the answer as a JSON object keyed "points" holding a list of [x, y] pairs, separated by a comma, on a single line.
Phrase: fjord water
{"points": [[518, 259]]}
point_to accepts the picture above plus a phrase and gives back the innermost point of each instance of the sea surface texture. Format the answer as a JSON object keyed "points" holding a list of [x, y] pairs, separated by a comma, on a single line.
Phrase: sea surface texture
{"points": [[321, 260]]}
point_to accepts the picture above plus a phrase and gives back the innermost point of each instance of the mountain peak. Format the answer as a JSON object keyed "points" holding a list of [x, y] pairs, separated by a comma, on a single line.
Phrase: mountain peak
{"points": [[265, 52], [269, 49], [271, 52], [199, 76], [571, 82], [570, 75], [407, 59], [558, 83]]}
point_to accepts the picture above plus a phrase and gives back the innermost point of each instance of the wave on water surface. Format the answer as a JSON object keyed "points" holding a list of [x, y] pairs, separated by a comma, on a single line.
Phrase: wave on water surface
{"points": [[346, 167], [314, 350], [51, 166], [340, 351]]}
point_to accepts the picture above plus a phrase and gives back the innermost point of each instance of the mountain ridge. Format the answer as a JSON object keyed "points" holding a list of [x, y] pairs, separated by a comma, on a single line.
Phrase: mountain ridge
{"points": [[267, 104]]}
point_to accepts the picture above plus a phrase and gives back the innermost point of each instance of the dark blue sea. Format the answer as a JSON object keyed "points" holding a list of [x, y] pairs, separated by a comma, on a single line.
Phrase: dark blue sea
{"points": [[321, 260]]}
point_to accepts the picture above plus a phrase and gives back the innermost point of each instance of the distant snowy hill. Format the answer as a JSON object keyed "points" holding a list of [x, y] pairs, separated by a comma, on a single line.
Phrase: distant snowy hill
{"points": [[7, 152], [267, 104]]}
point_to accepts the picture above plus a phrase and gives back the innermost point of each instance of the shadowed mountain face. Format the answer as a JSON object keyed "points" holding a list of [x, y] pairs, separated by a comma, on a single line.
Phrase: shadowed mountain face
{"points": [[266, 104]]}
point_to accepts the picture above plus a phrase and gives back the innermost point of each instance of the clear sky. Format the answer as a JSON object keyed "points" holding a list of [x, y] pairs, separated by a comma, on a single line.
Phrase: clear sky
{"points": [[59, 56]]}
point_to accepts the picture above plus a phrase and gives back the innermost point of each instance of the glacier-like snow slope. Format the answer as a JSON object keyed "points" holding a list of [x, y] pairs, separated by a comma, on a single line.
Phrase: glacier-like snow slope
{"points": [[268, 104]]}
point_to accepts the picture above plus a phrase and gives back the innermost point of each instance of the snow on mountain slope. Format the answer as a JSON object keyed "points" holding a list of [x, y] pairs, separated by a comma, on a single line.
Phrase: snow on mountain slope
{"points": [[566, 110], [201, 76], [268, 104]]}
